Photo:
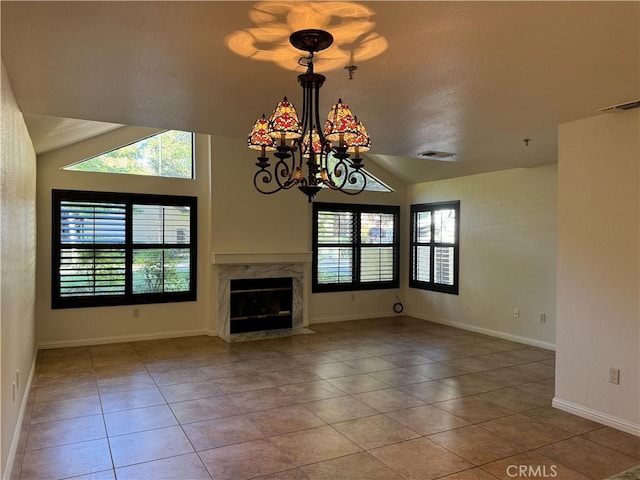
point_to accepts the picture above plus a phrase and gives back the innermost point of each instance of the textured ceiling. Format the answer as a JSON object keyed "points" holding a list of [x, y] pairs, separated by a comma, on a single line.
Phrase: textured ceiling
{"points": [[473, 78]]}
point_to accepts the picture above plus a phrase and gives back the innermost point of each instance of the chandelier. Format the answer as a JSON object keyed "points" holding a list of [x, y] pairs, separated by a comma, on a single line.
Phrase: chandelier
{"points": [[310, 155]]}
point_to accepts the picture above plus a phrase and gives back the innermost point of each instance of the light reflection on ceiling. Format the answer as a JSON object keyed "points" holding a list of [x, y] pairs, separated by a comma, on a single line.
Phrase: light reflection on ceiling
{"points": [[350, 24]]}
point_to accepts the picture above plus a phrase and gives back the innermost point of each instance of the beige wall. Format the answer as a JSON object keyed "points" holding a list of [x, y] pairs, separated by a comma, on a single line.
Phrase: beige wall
{"points": [[17, 269], [246, 221], [507, 254], [598, 268], [233, 218], [62, 327]]}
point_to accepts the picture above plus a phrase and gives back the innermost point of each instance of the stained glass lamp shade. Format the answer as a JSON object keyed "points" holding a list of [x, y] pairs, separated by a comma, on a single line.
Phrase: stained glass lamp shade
{"points": [[284, 123], [361, 142], [315, 141], [259, 138], [340, 125]]}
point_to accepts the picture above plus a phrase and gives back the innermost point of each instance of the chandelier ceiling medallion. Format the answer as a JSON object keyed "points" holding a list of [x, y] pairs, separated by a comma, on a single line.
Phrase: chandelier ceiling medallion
{"points": [[309, 154]]}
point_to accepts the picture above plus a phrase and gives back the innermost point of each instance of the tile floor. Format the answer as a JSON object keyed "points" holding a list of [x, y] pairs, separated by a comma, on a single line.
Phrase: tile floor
{"points": [[394, 398]]}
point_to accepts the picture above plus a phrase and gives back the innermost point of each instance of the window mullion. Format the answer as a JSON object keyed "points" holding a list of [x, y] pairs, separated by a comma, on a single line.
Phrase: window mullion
{"points": [[162, 249], [128, 247], [93, 233], [163, 224], [355, 246], [162, 274], [414, 251], [432, 249]]}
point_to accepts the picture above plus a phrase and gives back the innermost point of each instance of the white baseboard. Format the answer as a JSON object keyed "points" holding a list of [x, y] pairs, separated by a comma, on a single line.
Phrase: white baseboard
{"points": [[596, 416], [18, 430], [487, 331], [346, 318], [81, 342]]}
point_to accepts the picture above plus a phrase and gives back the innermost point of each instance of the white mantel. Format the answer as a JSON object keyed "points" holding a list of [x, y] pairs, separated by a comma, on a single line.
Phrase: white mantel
{"points": [[238, 258]]}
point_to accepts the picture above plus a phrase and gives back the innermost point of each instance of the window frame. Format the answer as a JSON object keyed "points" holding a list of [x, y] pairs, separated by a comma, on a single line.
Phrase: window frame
{"points": [[71, 166], [432, 285], [128, 298], [356, 245]]}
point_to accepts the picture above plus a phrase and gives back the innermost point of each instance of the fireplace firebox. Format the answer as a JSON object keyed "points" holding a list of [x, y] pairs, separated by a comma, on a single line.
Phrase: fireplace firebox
{"points": [[260, 304]]}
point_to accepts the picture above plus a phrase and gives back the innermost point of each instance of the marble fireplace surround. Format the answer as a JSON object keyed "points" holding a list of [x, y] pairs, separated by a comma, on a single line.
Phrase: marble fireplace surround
{"points": [[232, 266]]}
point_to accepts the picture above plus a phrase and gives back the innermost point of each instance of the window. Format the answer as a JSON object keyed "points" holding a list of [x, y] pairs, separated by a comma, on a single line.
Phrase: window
{"points": [[355, 247], [435, 234], [166, 154], [122, 249], [374, 184]]}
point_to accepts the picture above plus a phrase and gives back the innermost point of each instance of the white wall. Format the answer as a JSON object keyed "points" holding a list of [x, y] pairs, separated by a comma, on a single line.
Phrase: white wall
{"points": [[62, 327], [598, 269], [17, 269], [507, 254]]}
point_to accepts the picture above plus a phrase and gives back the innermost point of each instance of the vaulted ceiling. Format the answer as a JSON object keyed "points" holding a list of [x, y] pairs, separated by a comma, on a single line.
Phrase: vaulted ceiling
{"points": [[471, 78]]}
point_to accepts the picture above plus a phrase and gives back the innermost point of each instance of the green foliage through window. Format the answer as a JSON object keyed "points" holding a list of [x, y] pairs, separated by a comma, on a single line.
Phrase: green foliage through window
{"points": [[167, 154]]}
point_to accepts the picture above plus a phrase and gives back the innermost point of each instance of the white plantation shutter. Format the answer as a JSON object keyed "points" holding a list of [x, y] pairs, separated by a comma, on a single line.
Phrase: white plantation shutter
{"points": [[422, 263], [376, 264], [92, 254], [443, 265], [161, 224], [377, 253], [335, 252]]}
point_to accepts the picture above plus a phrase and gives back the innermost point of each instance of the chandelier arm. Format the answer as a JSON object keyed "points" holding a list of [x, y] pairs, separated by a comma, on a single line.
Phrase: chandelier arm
{"points": [[267, 177], [339, 171], [284, 170], [351, 178]]}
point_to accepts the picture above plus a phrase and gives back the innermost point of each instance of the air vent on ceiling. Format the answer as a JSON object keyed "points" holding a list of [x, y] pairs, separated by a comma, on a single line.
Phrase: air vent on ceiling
{"points": [[621, 106], [435, 155]]}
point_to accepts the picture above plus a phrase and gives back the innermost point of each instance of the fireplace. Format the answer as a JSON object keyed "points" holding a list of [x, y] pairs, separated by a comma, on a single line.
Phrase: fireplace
{"points": [[232, 270], [258, 304]]}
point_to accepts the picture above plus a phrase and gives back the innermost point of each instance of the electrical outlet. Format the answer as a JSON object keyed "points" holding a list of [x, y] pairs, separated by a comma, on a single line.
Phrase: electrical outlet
{"points": [[516, 313], [353, 297], [543, 317], [136, 312], [614, 375]]}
